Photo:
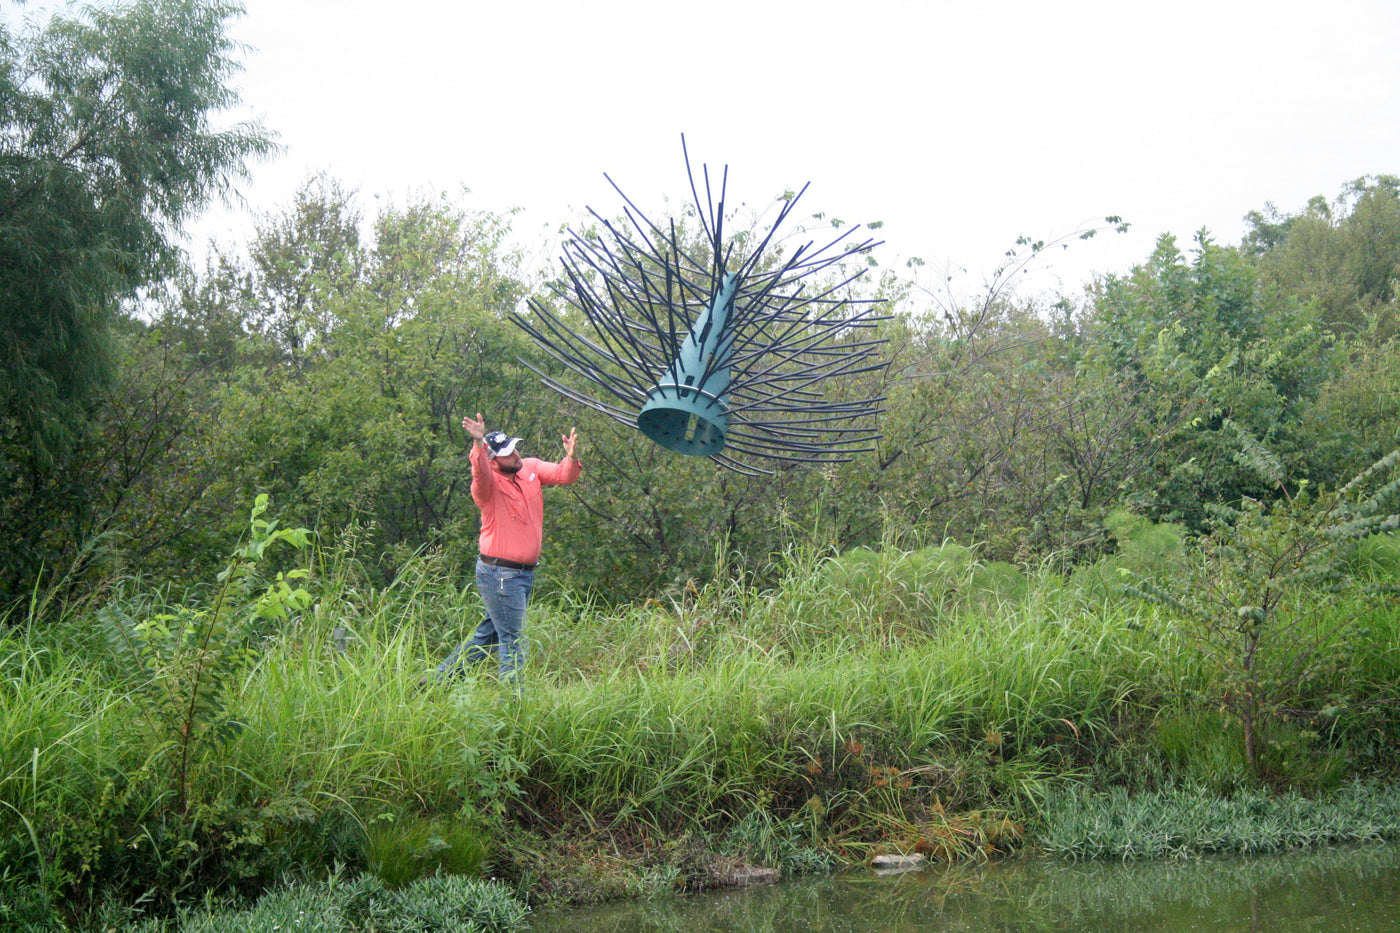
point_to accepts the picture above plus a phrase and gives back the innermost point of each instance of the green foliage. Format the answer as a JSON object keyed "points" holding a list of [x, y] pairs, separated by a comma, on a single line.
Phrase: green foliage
{"points": [[1356, 418], [1009, 422], [1259, 593], [759, 734], [1189, 821], [440, 904], [28, 909], [1376, 559], [907, 589], [180, 663], [346, 396], [902, 593], [451, 903], [330, 367], [1228, 368], [109, 146], [329, 364], [1144, 551], [789, 665], [1204, 748], [402, 850], [761, 838], [1345, 255], [846, 719]]}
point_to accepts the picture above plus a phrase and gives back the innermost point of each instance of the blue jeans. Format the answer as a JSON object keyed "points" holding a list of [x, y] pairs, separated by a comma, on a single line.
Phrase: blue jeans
{"points": [[506, 593]]}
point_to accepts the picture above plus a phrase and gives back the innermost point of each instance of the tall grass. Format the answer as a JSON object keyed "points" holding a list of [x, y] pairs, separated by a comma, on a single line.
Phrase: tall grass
{"points": [[869, 697]]}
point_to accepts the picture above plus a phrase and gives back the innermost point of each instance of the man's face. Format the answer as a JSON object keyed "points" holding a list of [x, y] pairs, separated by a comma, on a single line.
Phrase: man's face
{"points": [[509, 463]]}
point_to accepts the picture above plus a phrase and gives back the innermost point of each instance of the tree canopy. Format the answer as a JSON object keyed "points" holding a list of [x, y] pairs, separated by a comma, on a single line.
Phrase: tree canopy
{"points": [[107, 145]]}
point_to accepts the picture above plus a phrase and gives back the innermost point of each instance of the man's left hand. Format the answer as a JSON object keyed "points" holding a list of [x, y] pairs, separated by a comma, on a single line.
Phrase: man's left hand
{"points": [[570, 442]]}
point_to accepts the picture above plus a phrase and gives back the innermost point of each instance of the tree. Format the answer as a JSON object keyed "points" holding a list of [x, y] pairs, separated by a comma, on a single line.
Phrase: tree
{"points": [[342, 393], [1344, 255], [303, 262], [1005, 424], [1270, 588], [107, 145], [1209, 346]]}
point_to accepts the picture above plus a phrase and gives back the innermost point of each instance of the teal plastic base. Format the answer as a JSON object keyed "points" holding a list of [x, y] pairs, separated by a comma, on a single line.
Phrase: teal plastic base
{"points": [[684, 420]]}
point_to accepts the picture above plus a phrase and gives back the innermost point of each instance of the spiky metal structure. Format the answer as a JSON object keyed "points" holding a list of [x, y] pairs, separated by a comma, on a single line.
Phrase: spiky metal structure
{"points": [[717, 349]]}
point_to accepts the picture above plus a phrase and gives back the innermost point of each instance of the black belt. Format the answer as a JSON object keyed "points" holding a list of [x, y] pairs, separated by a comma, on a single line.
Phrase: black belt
{"points": [[502, 562]]}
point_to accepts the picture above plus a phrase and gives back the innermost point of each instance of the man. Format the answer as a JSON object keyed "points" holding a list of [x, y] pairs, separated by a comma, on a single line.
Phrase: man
{"points": [[509, 490]]}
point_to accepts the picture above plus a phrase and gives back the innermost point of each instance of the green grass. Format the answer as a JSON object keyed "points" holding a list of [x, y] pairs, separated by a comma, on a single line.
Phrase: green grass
{"points": [[873, 701]]}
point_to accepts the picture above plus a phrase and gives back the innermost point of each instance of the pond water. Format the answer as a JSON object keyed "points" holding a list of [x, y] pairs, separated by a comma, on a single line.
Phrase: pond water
{"points": [[1340, 889]]}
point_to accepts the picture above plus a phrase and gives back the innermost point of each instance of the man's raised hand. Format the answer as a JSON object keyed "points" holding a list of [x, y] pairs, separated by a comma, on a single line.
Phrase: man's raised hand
{"points": [[477, 428]]}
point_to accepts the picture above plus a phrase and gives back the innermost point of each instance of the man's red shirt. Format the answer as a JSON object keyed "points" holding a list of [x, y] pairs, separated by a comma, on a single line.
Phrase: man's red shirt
{"points": [[512, 505]]}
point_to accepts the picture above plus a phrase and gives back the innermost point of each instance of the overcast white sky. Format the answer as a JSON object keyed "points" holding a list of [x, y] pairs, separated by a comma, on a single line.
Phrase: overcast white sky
{"points": [[960, 125]]}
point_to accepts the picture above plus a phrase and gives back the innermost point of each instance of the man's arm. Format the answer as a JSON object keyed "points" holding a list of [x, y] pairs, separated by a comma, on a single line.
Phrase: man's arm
{"points": [[482, 486], [566, 470]]}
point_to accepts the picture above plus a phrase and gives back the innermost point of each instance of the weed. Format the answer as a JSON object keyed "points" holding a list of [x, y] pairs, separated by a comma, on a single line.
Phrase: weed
{"points": [[180, 663]]}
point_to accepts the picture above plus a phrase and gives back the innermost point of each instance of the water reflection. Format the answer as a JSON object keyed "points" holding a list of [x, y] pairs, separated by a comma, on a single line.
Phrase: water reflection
{"points": [[1343, 889]]}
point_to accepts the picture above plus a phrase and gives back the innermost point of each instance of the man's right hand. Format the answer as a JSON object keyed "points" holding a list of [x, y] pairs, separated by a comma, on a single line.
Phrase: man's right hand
{"points": [[477, 428]]}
